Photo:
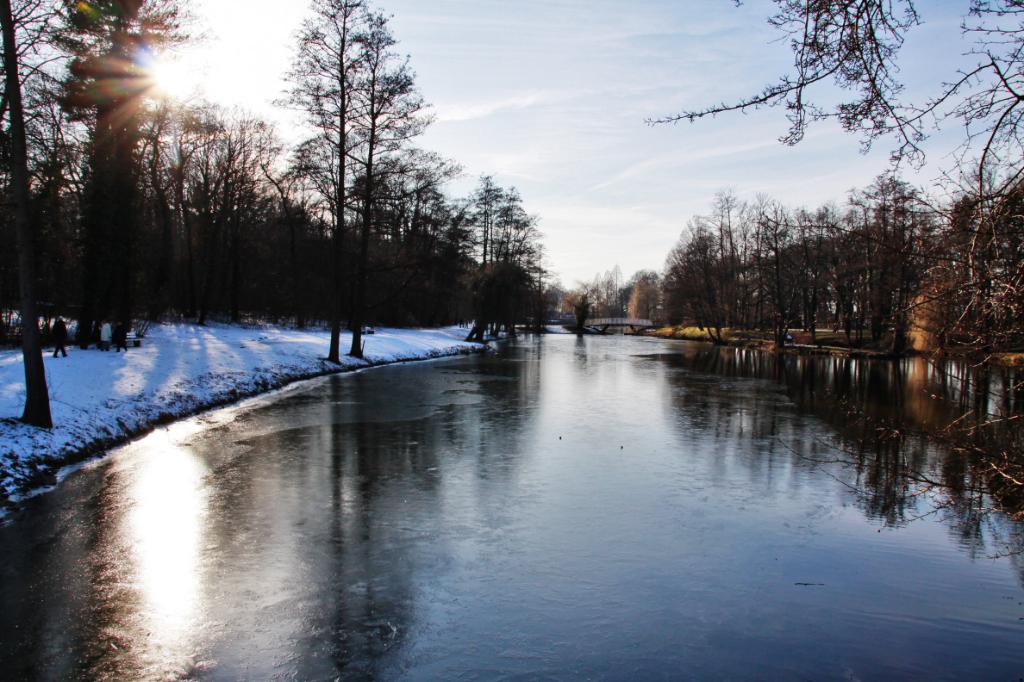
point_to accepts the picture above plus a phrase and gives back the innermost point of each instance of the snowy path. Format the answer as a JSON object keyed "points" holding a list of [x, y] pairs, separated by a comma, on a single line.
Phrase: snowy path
{"points": [[101, 398]]}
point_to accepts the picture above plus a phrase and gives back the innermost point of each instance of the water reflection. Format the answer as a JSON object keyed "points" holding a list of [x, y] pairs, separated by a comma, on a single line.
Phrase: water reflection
{"points": [[917, 391], [881, 414], [165, 527], [567, 508]]}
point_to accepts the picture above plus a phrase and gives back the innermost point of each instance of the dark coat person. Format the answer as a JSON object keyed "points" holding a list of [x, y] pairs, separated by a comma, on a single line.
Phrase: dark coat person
{"points": [[60, 337], [121, 337]]}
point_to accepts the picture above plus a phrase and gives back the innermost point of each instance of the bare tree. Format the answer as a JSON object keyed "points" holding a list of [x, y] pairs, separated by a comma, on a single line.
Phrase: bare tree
{"points": [[696, 279], [37, 399], [855, 45], [322, 74], [812, 232], [292, 214], [388, 114], [486, 200], [774, 264], [160, 185]]}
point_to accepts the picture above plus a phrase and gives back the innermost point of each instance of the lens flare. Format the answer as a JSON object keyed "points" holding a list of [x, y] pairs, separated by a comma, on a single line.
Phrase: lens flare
{"points": [[172, 78]]}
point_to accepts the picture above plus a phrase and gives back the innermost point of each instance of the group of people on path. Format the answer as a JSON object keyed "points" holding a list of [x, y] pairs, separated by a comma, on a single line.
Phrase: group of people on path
{"points": [[103, 334]]}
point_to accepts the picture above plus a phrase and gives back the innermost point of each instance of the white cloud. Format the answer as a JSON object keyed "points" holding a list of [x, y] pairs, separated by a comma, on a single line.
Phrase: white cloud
{"points": [[469, 111]]}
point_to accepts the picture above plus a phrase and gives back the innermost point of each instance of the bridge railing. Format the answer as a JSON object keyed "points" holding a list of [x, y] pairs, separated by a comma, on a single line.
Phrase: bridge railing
{"points": [[618, 322]]}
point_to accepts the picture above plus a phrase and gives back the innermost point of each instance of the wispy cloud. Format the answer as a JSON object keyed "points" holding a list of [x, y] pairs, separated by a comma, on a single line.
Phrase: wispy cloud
{"points": [[469, 111]]}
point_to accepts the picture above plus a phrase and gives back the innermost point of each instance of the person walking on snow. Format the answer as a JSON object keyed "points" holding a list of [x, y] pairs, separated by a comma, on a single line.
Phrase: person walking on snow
{"points": [[121, 337], [106, 334], [60, 337]]}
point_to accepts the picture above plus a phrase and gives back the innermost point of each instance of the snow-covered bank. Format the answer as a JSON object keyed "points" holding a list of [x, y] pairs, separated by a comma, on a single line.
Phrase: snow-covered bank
{"points": [[99, 398]]}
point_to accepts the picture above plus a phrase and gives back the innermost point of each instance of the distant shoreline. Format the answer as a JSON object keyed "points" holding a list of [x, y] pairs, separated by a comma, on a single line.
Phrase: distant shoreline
{"points": [[748, 339]]}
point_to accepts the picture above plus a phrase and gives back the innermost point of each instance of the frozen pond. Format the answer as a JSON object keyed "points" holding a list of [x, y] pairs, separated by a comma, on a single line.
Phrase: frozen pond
{"points": [[597, 508]]}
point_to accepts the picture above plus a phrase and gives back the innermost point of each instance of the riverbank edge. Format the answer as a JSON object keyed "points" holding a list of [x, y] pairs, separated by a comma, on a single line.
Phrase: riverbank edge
{"points": [[1007, 359], [46, 472]]}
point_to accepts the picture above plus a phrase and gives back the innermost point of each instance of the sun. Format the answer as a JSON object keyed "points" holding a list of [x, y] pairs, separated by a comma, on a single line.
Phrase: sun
{"points": [[173, 78]]}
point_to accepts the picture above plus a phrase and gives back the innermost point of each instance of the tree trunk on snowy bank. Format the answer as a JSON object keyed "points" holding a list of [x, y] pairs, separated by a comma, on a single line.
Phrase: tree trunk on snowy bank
{"points": [[37, 399]]}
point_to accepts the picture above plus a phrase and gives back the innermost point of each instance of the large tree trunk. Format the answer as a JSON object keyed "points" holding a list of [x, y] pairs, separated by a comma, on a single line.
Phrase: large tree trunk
{"points": [[362, 268], [126, 231], [362, 265], [37, 399], [185, 215], [814, 317], [477, 332], [210, 274], [334, 353], [96, 226], [165, 257], [236, 268], [293, 247]]}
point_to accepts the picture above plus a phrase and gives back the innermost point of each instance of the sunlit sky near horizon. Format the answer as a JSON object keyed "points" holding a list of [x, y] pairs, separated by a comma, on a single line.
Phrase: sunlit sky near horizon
{"points": [[551, 96]]}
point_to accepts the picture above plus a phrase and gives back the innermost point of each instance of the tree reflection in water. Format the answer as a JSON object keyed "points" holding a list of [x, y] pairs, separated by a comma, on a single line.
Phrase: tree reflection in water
{"points": [[912, 437]]}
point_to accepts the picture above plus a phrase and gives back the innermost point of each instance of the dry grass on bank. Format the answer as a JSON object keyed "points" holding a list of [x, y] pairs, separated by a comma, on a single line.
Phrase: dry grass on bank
{"points": [[823, 337]]}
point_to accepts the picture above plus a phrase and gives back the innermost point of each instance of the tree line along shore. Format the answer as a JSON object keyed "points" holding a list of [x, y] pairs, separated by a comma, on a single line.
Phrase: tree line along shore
{"points": [[131, 206]]}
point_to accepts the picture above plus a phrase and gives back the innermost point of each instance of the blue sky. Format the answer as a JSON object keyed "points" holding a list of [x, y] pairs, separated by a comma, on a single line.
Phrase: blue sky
{"points": [[551, 96]]}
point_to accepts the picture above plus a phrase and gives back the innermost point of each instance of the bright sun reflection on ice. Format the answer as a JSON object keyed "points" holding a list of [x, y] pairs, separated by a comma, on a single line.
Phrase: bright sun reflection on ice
{"points": [[166, 526]]}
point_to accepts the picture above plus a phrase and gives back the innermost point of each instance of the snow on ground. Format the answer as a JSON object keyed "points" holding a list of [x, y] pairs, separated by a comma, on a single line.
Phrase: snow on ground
{"points": [[101, 398]]}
